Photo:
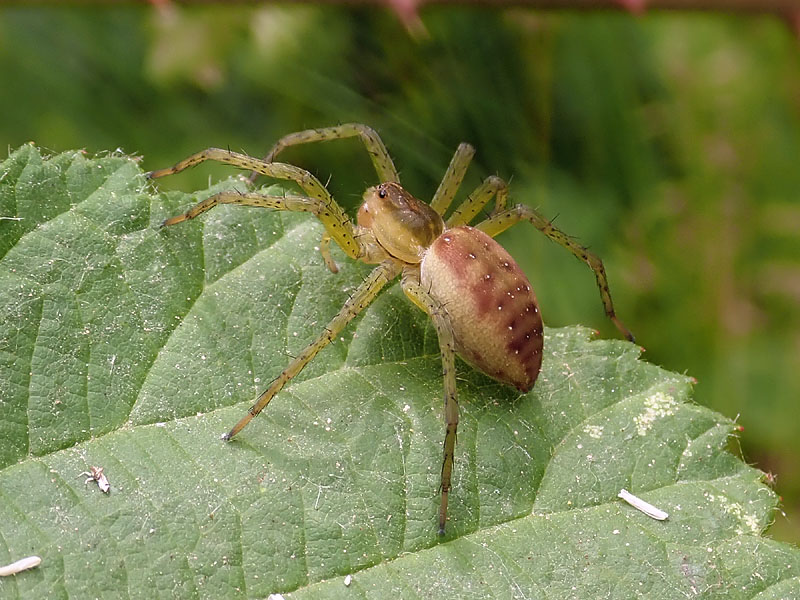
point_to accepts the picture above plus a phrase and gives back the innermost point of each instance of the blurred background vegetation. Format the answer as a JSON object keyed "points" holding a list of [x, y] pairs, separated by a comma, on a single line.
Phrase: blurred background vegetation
{"points": [[668, 143]]}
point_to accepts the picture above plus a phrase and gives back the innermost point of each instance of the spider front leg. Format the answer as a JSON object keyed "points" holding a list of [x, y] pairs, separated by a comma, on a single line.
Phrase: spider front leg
{"points": [[505, 219], [369, 137], [361, 298], [318, 200], [337, 224], [422, 298]]}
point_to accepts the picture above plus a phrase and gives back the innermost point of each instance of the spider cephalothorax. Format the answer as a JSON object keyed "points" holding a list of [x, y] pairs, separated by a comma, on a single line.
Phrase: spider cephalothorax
{"points": [[478, 298]]}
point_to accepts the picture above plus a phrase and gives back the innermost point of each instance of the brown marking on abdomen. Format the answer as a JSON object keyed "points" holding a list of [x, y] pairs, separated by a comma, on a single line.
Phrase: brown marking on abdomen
{"points": [[495, 319]]}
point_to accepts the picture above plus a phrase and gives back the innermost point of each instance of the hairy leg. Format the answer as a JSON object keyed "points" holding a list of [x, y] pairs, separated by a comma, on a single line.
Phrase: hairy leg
{"points": [[423, 299], [361, 298], [372, 142], [337, 224], [452, 179], [492, 187], [318, 199]]}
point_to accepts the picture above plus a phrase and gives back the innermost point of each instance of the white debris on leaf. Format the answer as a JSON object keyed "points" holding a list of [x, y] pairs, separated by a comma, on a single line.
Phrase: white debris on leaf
{"points": [[22, 564], [594, 431], [749, 520], [657, 406], [645, 507]]}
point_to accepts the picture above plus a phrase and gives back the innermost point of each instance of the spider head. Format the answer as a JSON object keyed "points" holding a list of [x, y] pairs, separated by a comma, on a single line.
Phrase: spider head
{"points": [[402, 225]]}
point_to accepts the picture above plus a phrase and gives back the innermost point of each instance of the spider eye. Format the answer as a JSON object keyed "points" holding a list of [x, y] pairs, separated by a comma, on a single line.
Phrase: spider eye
{"points": [[382, 193]]}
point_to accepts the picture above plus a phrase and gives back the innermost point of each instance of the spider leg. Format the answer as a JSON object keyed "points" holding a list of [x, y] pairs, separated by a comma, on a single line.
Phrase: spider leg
{"points": [[503, 220], [337, 224], [422, 298], [309, 184], [452, 178], [318, 200], [492, 187], [372, 142], [361, 298]]}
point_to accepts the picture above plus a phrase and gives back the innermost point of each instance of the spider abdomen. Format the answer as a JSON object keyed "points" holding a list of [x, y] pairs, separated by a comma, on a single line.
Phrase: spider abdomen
{"points": [[489, 302]]}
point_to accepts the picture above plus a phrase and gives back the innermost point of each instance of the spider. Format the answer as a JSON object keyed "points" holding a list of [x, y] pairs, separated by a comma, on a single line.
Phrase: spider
{"points": [[480, 302]]}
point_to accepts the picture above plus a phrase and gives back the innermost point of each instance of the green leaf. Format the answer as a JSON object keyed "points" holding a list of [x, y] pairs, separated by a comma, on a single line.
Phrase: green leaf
{"points": [[133, 348]]}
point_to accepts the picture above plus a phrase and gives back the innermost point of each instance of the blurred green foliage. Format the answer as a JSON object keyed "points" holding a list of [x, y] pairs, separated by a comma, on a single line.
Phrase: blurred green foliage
{"points": [[669, 144]]}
